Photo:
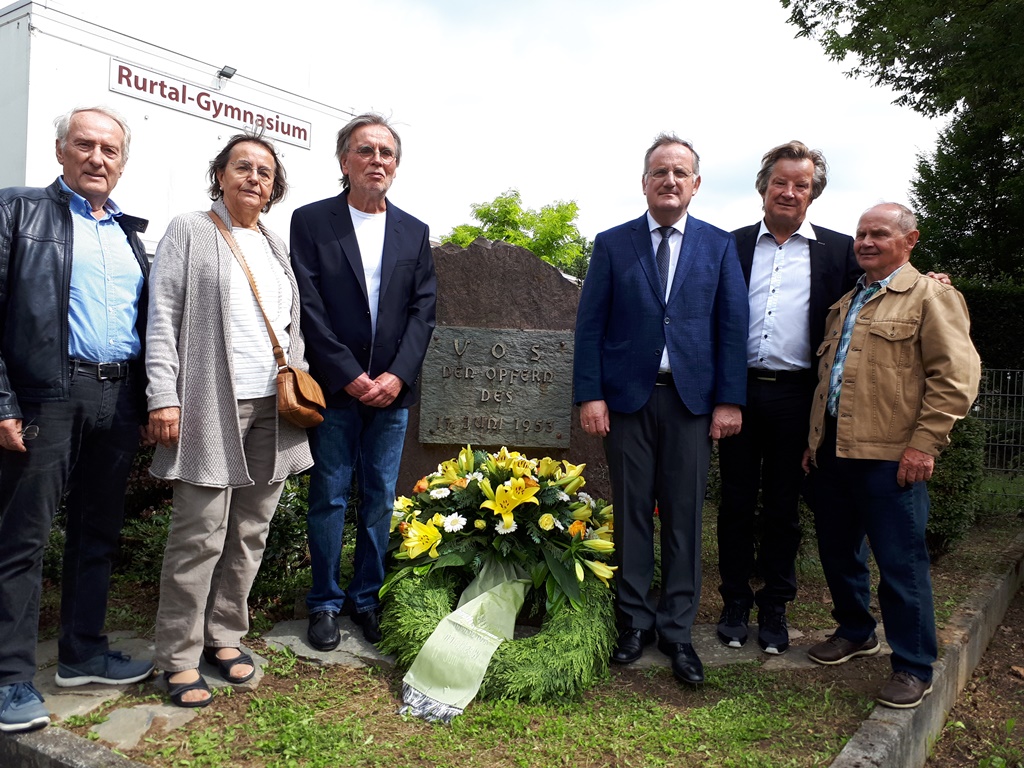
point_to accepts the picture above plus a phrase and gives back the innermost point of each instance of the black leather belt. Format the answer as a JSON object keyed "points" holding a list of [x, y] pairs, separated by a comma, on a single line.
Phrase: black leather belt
{"points": [[763, 374], [664, 379], [100, 371]]}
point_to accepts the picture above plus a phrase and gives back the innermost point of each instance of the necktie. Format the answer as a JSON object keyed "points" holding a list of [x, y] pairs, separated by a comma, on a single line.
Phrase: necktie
{"points": [[664, 250]]}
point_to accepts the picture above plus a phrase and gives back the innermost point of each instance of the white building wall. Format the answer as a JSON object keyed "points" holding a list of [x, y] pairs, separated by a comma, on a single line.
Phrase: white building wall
{"points": [[71, 62]]}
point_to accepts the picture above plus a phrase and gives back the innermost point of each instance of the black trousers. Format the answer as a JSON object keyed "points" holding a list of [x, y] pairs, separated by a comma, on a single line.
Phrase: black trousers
{"points": [[659, 455], [765, 456], [85, 448]]}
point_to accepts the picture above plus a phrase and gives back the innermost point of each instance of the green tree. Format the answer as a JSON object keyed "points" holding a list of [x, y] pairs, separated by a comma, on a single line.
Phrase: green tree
{"points": [[549, 233], [965, 59], [969, 194]]}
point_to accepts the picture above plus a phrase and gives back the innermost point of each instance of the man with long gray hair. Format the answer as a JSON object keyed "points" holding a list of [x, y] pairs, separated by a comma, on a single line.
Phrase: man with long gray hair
{"points": [[368, 291]]}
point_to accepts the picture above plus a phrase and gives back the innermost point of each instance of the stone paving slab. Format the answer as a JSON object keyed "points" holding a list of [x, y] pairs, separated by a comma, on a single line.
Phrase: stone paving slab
{"points": [[353, 651]]}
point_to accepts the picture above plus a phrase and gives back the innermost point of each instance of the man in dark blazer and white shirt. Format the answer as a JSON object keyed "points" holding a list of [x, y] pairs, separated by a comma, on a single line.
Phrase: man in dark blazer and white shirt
{"points": [[368, 290], [794, 271], [660, 371]]}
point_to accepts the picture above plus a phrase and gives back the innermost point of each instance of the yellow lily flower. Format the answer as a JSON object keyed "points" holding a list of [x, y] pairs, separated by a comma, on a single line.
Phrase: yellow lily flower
{"points": [[583, 513], [547, 468], [601, 570], [604, 532], [509, 496], [466, 461], [485, 488], [574, 485], [599, 545], [579, 571], [419, 538], [447, 474], [546, 522], [521, 467]]}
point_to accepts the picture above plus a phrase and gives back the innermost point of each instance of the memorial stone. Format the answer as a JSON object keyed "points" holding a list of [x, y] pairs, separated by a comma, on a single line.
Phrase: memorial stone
{"points": [[499, 368]]}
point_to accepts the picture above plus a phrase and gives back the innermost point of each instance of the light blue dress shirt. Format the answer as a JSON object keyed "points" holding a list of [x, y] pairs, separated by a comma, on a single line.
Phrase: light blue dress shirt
{"points": [[106, 284]]}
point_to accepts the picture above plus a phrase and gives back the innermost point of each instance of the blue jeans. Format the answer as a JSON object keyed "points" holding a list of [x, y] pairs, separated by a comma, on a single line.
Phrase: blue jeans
{"points": [[354, 439], [859, 500]]}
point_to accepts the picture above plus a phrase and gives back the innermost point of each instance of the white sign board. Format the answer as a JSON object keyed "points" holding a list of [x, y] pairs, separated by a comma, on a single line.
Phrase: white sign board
{"points": [[194, 99]]}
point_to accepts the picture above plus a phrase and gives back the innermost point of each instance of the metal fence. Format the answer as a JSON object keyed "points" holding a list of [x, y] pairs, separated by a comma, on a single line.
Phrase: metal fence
{"points": [[1000, 405]]}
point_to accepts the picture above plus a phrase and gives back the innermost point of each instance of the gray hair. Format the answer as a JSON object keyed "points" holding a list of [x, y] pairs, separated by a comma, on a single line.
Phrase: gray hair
{"points": [[905, 218], [345, 135], [670, 138], [793, 150], [63, 125]]}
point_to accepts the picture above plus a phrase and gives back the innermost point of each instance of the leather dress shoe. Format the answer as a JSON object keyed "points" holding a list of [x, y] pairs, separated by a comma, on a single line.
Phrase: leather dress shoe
{"points": [[686, 664], [370, 622], [323, 632], [630, 645]]}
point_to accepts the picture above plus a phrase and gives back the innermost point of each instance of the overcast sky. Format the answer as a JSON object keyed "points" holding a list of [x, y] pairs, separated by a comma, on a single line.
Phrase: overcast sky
{"points": [[560, 98]]}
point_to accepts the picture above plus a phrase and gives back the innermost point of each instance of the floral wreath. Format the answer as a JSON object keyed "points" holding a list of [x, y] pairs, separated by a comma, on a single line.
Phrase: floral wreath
{"points": [[525, 512]]}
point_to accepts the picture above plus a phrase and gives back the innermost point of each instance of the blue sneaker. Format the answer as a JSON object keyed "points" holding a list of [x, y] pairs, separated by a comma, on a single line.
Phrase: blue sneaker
{"points": [[21, 708], [112, 668]]}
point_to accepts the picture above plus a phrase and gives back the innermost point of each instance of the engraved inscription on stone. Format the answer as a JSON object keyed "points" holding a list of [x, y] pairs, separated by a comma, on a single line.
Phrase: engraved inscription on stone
{"points": [[486, 386]]}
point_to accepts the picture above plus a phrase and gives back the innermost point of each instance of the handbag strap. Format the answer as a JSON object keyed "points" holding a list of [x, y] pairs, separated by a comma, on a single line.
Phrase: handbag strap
{"points": [[230, 240]]}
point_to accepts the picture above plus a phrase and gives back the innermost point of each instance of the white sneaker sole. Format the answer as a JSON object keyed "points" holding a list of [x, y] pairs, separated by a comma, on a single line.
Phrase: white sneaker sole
{"points": [[854, 655], [37, 722], [72, 682], [911, 705]]}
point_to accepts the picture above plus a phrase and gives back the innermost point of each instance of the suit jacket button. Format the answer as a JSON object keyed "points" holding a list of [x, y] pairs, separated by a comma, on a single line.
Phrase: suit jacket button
{"points": [[667, 321]]}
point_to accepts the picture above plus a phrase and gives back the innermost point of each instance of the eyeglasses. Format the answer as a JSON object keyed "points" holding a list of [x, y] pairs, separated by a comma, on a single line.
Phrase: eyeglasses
{"points": [[29, 432], [243, 168], [660, 174], [387, 155]]}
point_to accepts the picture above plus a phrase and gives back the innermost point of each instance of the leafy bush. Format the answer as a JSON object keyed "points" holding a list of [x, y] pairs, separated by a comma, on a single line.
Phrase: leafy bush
{"points": [[955, 488]]}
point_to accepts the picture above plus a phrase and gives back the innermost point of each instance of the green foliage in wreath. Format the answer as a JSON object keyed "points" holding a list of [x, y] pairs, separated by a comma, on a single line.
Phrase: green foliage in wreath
{"points": [[566, 657]]}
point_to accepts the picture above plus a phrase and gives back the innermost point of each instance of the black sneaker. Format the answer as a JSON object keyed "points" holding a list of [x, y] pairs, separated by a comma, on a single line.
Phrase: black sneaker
{"points": [[732, 625], [772, 631]]}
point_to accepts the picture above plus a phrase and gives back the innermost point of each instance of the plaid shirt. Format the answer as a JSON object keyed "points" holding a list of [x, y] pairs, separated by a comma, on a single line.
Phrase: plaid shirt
{"points": [[861, 295]]}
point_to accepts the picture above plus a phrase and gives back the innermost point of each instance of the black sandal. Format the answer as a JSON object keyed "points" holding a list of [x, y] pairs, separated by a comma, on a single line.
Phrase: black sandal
{"points": [[177, 691], [224, 665]]}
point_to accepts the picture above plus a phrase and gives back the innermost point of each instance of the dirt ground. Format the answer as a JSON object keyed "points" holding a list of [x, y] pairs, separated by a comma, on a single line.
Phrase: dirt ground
{"points": [[986, 727]]}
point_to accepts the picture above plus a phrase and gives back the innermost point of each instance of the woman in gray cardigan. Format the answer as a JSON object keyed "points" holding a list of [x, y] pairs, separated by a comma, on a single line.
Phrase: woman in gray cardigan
{"points": [[213, 413]]}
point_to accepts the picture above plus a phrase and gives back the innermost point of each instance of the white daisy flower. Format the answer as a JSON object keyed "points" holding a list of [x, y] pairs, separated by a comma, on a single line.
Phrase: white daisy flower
{"points": [[440, 493], [454, 523], [502, 530], [563, 496]]}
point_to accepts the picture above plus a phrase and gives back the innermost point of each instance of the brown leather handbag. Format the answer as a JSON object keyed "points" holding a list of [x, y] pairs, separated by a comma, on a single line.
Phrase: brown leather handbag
{"points": [[299, 397]]}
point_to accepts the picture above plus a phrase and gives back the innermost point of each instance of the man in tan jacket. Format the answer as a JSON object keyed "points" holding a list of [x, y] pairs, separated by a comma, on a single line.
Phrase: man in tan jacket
{"points": [[896, 370]]}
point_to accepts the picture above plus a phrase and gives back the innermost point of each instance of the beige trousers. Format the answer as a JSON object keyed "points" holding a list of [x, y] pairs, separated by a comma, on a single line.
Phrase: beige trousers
{"points": [[214, 549]]}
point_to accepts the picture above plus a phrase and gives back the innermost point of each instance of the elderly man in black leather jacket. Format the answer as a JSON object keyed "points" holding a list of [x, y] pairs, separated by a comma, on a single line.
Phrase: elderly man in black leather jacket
{"points": [[72, 315]]}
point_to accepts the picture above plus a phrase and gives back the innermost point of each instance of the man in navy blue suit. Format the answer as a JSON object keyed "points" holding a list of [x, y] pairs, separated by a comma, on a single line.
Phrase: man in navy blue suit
{"points": [[368, 290], [660, 371], [795, 271]]}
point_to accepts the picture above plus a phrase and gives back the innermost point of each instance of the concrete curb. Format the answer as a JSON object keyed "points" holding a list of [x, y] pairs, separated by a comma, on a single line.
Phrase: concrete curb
{"points": [[53, 747], [892, 738]]}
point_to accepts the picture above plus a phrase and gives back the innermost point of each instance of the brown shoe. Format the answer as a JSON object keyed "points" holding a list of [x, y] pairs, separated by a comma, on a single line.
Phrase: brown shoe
{"points": [[839, 650], [903, 691]]}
